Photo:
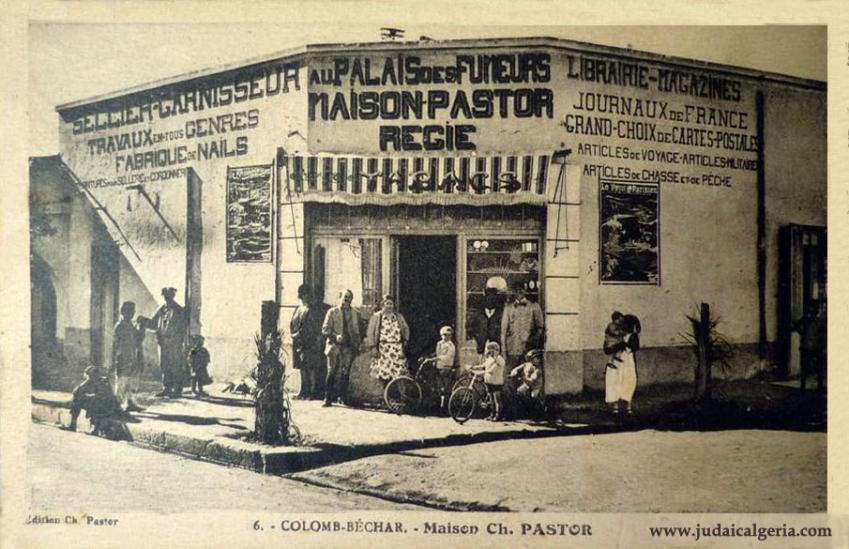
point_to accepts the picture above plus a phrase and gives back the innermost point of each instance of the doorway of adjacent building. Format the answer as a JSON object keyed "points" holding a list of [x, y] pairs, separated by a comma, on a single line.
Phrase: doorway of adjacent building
{"points": [[46, 357], [426, 286], [802, 289]]}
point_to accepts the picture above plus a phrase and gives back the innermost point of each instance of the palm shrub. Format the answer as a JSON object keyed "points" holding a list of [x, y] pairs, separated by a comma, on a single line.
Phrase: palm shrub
{"points": [[272, 418], [711, 348]]}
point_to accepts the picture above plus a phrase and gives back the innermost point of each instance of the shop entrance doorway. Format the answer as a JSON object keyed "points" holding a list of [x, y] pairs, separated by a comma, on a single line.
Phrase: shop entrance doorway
{"points": [[426, 286]]}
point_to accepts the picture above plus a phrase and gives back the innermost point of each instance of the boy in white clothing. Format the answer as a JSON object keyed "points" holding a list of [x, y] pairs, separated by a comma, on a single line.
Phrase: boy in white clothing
{"points": [[493, 377], [445, 354]]}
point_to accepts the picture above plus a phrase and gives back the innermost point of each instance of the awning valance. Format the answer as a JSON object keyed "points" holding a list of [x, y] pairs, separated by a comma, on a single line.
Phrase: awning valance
{"points": [[468, 180]]}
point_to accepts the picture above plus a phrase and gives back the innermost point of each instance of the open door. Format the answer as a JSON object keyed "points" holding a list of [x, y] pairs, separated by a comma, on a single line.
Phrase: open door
{"points": [[801, 289], [426, 274]]}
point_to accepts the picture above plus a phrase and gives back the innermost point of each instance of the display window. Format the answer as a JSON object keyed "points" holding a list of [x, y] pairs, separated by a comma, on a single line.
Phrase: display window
{"points": [[495, 267]]}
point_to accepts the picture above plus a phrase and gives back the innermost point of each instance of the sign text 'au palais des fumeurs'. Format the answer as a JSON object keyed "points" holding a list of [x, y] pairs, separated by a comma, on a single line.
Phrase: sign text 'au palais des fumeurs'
{"points": [[623, 118], [403, 103]]}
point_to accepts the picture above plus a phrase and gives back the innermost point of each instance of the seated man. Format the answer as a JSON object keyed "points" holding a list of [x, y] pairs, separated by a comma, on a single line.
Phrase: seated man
{"points": [[95, 396]]}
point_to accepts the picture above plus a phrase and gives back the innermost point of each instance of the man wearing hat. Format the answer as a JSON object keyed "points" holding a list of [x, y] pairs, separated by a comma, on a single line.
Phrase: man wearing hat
{"points": [[307, 341], [169, 322], [341, 327], [487, 323]]}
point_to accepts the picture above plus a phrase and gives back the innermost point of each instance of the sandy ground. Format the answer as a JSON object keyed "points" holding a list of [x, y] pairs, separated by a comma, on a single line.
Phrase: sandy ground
{"points": [[222, 416], [79, 473], [642, 471]]}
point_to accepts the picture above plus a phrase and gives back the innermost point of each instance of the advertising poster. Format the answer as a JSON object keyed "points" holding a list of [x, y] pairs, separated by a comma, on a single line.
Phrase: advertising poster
{"points": [[629, 228], [249, 214]]}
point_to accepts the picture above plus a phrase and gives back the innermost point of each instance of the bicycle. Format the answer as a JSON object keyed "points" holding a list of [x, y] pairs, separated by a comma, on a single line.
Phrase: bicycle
{"points": [[403, 394], [469, 395]]}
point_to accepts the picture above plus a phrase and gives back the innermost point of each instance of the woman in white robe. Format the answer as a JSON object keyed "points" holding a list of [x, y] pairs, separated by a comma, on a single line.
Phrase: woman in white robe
{"points": [[620, 378]]}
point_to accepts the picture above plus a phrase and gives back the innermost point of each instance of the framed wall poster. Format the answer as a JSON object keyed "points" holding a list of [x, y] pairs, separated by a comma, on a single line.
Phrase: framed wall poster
{"points": [[249, 214], [629, 235]]}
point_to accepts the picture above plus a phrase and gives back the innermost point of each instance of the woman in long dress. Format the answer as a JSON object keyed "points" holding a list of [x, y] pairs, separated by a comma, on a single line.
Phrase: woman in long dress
{"points": [[388, 334], [620, 378]]}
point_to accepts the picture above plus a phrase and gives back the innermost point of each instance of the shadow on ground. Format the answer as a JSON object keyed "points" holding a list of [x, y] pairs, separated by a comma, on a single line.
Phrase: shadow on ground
{"points": [[736, 405]]}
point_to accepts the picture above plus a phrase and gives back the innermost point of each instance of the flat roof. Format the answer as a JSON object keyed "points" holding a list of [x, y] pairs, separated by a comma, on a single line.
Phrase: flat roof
{"points": [[436, 45]]}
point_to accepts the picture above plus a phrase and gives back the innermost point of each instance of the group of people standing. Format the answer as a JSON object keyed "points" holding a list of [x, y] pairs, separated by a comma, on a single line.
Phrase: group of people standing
{"points": [[326, 340], [113, 390], [508, 336]]}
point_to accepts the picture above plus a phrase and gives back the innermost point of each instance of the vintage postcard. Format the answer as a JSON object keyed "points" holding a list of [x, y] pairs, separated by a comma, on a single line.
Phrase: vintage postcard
{"points": [[387, 279]]}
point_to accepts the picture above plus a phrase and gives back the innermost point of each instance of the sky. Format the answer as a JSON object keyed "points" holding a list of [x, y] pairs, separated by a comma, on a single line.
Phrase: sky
{"points": [[72, 61]]}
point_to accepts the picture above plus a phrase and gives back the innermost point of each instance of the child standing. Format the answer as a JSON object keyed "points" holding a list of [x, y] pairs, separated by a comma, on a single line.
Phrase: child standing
{"points": [[493, 377], [127, 356], [445, 354], [198, 362], [614, 340]]}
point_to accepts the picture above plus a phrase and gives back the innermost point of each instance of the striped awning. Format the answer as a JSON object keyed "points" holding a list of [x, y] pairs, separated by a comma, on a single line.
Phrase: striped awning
{"points": [[469, 180]]}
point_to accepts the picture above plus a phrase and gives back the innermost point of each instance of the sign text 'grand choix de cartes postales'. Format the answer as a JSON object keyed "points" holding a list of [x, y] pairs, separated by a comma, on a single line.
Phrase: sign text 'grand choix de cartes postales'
{"points": [[661, 123]]}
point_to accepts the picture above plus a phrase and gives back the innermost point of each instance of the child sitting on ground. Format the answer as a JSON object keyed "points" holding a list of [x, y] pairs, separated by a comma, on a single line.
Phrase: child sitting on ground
{"points": [[529, 374], [493, 376], [198, 362], [445, 354], [94, 395]]}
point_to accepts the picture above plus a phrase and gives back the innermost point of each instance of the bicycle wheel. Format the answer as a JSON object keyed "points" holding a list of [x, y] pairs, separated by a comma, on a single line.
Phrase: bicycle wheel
{"points": [[462, 404], [463, 381], [402, 395]]}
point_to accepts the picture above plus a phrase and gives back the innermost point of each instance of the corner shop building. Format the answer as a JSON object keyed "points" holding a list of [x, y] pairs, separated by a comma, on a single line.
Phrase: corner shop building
{"points": [[599, 179]]}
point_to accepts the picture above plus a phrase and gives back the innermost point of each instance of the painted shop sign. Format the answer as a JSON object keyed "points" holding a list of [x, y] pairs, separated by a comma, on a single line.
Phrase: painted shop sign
{"points": [[249, 214], [133, 153], [629, 234], [640, 121], [634, 74], [512, 174], [153, 136], [406, 103], [622, 118]]}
